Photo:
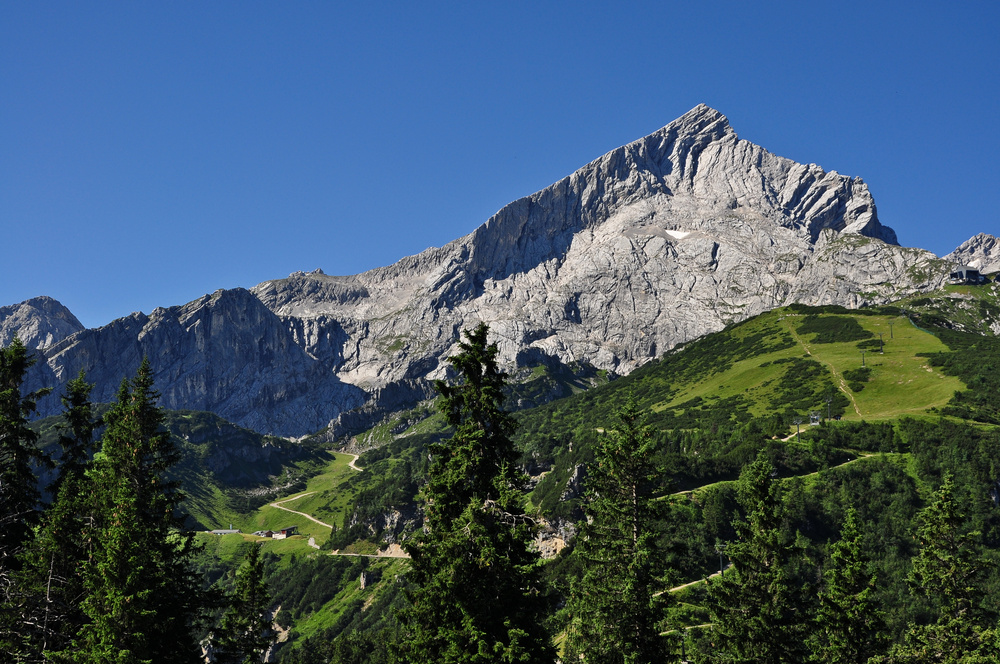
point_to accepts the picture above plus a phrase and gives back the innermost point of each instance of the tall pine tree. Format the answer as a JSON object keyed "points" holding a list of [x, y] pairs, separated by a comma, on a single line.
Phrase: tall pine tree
{"points": [[474, 571], [142, 596], [244, 633], [948, 572], [850, 624], [77, 437], [19, 496], [756, 609], [615, 605], [51, 576]]}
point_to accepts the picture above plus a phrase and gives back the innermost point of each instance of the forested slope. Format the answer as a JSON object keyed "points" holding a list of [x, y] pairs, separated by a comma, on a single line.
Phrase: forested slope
{"points": [[890, 415]]}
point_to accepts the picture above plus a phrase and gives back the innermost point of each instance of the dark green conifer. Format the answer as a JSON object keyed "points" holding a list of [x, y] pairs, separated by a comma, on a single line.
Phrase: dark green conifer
{"points": [[474, 571], [756, 610], [615, 605], [948, 572], [850, 624], [245, 633], [19, 496], [51, 578], [141, 594], [77, 438]]}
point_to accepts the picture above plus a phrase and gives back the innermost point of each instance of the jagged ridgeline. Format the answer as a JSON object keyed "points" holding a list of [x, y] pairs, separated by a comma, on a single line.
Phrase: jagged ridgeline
{"points": [[656, 243]]}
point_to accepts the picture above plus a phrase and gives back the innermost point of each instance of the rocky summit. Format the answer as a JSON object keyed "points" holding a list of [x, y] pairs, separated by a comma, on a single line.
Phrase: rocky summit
{"points": [[38, 322], [981, 252], [656, 243]]}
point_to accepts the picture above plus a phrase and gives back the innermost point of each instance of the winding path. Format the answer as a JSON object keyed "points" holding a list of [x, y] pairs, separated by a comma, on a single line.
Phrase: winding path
{"points": [[688, 493], [280, 506], [391, 551], [836, 374]]}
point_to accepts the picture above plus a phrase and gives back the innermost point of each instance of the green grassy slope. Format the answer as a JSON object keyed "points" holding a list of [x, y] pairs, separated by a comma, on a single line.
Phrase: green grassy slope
{"points": [[716, 402]]}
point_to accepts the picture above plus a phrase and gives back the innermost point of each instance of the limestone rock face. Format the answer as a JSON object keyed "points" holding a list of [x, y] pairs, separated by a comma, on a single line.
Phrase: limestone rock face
{"points": [[981, 252], [39, 322], [225, 353], [658, 242]]}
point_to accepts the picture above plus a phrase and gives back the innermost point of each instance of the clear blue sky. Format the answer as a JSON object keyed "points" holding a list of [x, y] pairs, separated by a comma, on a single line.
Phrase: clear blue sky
{"points": [[151, 152]]}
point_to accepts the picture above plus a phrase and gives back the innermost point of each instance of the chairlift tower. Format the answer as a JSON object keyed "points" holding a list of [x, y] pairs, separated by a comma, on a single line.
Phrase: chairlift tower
{"points": [[720, 548]]}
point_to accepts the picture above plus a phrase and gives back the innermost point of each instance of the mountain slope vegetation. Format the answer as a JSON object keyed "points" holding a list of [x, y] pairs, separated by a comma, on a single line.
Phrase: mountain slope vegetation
{"points": [[846, 419]]}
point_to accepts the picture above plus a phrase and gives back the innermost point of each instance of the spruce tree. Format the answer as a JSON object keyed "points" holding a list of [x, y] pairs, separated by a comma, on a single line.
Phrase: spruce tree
{"points": [[19, 496], [615, 607], [947, 572], [244, 633], [755, 608], [77, 437], [141, 593], [51, 576], [474, 594], [850, 624]]}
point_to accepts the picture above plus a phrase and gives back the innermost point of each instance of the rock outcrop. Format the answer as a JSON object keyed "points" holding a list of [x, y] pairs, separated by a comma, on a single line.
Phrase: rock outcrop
{"points": [[655, 243], [225, 353], [39, 322], [981, 252]]}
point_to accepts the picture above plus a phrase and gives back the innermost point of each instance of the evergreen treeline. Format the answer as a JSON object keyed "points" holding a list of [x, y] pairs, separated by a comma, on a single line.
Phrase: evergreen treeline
{"points": [[839, 566], [853, 542], [106, 573]]}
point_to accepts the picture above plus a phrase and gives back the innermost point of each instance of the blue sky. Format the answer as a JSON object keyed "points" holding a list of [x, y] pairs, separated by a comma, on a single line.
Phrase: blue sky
{"points": [[154, 152]]}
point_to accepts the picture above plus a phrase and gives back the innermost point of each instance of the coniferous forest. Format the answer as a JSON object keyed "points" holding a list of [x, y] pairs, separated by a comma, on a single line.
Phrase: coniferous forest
{"points": [[720, 504]]}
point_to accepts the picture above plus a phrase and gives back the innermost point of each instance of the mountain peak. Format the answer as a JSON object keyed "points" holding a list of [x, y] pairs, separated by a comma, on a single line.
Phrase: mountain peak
{"points": [[653, 244], [702, 118], [40, 322]]}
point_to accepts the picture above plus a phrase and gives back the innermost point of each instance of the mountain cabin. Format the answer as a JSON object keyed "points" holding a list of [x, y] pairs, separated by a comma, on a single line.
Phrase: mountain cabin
{"points": [[282, 533], [966, 274]]}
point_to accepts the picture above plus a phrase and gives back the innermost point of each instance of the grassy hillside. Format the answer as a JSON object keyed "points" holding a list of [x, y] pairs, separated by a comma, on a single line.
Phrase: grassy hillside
{"points": [[924, 403], [755, 377]]}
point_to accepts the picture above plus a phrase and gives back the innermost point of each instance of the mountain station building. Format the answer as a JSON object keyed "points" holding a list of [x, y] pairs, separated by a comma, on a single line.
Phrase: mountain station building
{"points": [[966, 274]]}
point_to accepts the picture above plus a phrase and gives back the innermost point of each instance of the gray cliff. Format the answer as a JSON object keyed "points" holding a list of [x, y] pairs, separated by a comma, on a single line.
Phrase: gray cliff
{"points": [[663, 240], [225, 353]]}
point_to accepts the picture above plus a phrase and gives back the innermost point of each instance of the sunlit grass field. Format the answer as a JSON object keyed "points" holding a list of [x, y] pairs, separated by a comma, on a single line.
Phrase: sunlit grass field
{"points": [[901, 382]]}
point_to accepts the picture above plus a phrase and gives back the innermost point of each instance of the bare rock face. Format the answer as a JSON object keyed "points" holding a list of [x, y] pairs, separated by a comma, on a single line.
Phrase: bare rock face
{"points": [[981, 252], [225, 353], [39, 322], [658, 242]]}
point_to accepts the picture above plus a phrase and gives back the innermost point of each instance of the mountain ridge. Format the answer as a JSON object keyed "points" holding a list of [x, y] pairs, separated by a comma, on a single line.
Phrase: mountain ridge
{"points": [[658, 242]]}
